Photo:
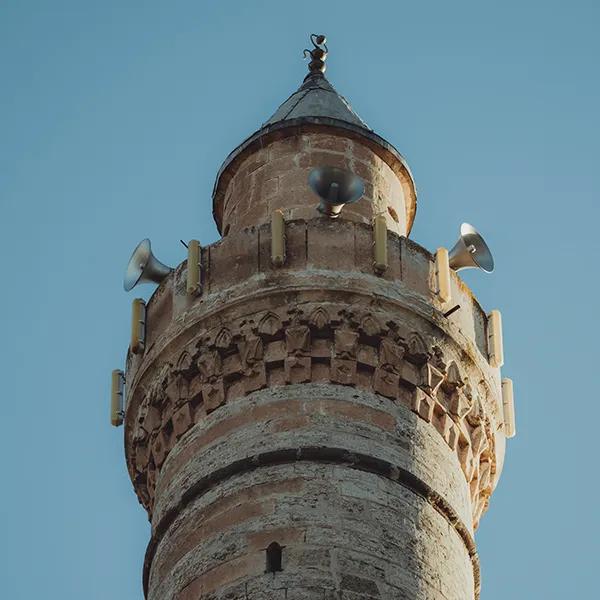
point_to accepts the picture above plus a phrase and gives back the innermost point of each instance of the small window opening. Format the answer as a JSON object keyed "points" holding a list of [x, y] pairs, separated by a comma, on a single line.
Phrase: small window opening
{"points": [[393, 214], [274, 558]]}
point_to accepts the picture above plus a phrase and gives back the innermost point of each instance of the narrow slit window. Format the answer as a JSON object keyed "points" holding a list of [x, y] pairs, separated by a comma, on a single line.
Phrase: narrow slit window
{"points": [[274, 558]]}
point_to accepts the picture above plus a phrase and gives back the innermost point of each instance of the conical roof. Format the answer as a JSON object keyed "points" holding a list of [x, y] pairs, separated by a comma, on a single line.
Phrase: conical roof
{"points": [[316, 97]]}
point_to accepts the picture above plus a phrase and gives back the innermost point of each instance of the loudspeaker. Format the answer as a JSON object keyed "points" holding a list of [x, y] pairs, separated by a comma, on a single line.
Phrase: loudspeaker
{"points": [[144, 267], [335, 187], [471, 251]]}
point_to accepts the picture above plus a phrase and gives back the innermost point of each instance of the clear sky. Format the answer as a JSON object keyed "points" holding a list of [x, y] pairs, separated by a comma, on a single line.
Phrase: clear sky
{"points": [[114, 118]]}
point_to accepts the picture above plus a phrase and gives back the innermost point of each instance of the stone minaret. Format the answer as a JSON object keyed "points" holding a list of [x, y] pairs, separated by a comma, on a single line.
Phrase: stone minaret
{"points": [[308, 426]]}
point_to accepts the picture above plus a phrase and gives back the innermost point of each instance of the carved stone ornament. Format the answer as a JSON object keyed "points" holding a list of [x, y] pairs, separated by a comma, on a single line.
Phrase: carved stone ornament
{"points": [[319, 318], [391, 355], [251, 350], [270, 324], [297, 339], [244, 357], [210, 364], [346, 343], [223, 339]]}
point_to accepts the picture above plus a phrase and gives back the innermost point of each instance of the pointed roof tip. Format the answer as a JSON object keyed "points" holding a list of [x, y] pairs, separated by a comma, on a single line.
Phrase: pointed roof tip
{"points": [[316, 97]]}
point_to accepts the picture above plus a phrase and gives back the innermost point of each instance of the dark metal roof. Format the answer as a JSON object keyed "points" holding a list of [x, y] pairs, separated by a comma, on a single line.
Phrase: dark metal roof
{"points": [[316, 97]]}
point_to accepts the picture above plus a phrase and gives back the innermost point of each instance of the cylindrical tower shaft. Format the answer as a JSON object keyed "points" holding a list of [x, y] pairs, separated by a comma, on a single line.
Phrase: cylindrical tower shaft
{"points": [[314, 429]]}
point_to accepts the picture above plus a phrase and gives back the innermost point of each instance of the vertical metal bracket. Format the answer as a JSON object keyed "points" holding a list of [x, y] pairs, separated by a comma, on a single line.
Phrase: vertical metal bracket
{"points": [[277, 239], [442, 276], [494, 339], [194, 268], [138, 326], [117, 410], [380, 262], [508, 405]]}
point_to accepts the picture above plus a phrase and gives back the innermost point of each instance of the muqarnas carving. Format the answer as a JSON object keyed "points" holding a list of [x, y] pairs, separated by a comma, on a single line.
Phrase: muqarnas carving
{"points": [[314, 343]]}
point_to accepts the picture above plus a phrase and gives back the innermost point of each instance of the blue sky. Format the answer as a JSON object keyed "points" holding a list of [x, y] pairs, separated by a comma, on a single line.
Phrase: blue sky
{"points": [[114, 118]]}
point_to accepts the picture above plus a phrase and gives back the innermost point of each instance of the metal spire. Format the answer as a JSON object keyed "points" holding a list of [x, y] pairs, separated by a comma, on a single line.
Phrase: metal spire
{"points": [[318, 55], [316, 97]]}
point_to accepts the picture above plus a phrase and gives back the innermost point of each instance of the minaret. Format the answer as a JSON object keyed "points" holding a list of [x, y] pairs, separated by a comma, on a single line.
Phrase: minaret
{"points": [[308, 415]]}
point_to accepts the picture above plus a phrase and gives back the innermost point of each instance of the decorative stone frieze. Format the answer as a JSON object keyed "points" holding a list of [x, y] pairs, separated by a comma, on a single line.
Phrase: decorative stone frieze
{"points": [[306, 343]]}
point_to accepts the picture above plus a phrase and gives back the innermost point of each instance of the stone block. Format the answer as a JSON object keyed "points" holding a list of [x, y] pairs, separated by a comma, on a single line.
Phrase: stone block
{"points": [[410, 373], [390, 355], [330, 244], [367, 355], [232, 365], [275, 351], [295, 235], [297, 369], [423, 405], [233, 259], [432, 378], [297, 339], [160, 448], [459, 404], [346, 343], [182, 420], [417, 268], [343, 371], [386, 383], [321, 348], [453, 437], [213, 395], [320, 372], [255, 378], [195, 389], [142, 453], [153, 419]]}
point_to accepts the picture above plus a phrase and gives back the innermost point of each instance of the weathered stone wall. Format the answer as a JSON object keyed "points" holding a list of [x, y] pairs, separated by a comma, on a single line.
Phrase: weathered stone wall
{"points": [[345, 533], [316, 469], [320, 406], [275, 176]]}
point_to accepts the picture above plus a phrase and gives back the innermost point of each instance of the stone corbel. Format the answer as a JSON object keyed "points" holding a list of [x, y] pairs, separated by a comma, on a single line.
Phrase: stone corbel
{"points": [[297, 369], [213, 394], [160, 448], [270, 325], [423, 405], [223, 339], [210, 365], [391, 355], [385, 382], [182, 419], [432, 379], [297, 339], [297, 364], [370, 326], [345, 343], [251, 351], [417, 349], [459, 404], [343, 371], [319, 318]]}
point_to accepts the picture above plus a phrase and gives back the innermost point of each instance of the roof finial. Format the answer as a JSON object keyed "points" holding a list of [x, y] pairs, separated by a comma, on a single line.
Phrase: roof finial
{"points": [[318, 55]]}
